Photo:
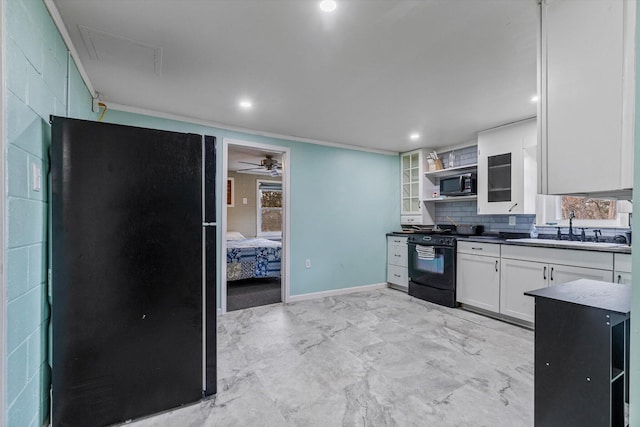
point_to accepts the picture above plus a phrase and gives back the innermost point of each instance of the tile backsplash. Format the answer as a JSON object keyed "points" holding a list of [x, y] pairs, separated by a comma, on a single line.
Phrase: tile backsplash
{"points": [[465, 212], [461, 157]]}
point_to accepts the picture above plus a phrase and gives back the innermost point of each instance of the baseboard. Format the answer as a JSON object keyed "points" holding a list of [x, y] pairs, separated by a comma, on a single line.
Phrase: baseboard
{"points": [[324, 294]]}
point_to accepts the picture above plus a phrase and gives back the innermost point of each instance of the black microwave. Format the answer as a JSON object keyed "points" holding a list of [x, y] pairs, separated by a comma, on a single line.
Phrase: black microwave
{"points": [[459, 185]]}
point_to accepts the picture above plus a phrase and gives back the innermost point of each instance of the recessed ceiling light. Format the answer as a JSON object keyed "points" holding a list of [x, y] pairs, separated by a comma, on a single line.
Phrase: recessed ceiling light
{"points": [[534, 98], [328, 5], [414, 136], [245, 104]]}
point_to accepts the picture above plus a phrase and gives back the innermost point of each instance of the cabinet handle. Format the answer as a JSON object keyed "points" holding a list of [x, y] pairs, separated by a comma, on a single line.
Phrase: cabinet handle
{"points": [[476, 249], [619, 278], [396, 275], [551, 277], [544, 273], [513, 207], [396, 255], [496, 265]]}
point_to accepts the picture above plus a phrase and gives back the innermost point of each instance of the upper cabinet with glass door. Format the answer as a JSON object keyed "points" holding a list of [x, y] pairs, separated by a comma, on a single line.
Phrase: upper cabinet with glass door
{"points": [[412, 164], [507, 169]]}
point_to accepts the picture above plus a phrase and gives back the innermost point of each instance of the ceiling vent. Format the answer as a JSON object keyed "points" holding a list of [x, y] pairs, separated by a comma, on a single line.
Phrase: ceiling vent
{"points": [[121, 51]]}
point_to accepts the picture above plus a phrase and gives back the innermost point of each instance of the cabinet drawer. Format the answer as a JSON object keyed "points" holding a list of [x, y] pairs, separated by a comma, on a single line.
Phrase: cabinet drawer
{"points": [[622, 262], [411, 219], [588, 259], [397, 275], [396, 240], [475, 248], [397, 255]]}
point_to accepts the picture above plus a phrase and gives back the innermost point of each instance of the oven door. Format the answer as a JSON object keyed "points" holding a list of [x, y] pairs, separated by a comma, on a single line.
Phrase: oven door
{"points": [[432, 265]]}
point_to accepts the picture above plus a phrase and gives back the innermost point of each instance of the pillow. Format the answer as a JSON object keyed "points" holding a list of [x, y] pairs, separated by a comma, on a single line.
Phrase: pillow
{"points": [[234, 235]]}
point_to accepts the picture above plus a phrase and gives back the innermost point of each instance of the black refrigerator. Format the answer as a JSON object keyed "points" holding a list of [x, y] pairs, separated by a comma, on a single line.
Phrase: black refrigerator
{"points": [[133, 264]]}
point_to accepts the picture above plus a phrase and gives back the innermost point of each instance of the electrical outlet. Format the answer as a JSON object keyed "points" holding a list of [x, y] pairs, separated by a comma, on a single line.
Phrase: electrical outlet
{"points": [[512, 220], [307, 263], [244, 201]]}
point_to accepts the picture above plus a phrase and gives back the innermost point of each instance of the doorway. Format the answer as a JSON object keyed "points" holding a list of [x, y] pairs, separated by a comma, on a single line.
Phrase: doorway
{"points": [[254, 225]]}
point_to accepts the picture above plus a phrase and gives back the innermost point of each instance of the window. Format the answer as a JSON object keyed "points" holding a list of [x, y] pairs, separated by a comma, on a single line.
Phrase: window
{"points": [[589, 212], [587, 208], [269, 209]]}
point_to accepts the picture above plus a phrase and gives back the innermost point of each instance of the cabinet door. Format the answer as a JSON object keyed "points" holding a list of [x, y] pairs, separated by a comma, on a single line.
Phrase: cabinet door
{"points": [[506, 167], [518, 277], [478, 281], [562, 274], [622, 278], [412, 172], [583, 86]]}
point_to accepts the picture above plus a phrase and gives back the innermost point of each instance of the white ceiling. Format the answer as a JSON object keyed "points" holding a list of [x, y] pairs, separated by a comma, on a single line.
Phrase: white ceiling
{"points": [[367, 75]]}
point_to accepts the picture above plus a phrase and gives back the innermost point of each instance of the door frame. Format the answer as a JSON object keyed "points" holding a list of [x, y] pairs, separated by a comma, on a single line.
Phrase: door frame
{"points": [[286, 234], [3, 223]]}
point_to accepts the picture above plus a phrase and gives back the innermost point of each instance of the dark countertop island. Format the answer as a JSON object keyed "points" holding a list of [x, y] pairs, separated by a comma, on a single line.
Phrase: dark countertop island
{"points": [[581, 353]]}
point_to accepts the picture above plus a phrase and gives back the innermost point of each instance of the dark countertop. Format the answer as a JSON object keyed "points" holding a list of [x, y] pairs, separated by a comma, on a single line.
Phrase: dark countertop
{"points": [[546, 243], [590, 293], [399, 234]]}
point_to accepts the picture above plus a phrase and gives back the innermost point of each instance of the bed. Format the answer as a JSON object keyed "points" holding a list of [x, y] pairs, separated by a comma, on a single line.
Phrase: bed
{"points": [[252, 258]]}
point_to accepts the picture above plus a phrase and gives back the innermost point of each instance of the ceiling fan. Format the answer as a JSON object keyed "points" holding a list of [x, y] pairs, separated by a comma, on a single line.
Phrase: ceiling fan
{"points": [[268, 164]]}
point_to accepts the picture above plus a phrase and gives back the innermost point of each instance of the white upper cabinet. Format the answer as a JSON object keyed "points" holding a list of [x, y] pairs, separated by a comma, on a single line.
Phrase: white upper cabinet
{"points": [[587, 92], [507, 169], [412, 165], [412, 168]]}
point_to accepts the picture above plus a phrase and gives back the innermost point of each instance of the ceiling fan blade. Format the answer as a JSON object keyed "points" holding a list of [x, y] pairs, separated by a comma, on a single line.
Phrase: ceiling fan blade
{"points": [[249, 169], [249, 163]]}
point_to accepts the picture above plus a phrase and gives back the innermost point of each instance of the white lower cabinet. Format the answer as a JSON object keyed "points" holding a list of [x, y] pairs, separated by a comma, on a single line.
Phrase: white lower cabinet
{"points": [[518, 277], [563, 273], [478, 275], [522, 276], [622, 269], [397, 262], [496, 280]]}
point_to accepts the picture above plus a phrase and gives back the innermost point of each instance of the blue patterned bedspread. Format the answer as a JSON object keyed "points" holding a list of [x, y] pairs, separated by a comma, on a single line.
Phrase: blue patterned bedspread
{"points": [[253, 258]]}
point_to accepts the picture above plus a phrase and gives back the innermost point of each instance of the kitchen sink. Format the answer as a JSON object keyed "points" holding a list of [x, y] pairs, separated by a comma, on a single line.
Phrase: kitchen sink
{"points": [[550, 242]]}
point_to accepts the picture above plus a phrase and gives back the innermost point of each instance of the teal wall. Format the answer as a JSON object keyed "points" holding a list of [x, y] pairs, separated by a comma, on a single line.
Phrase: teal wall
{"points": [[342, 204], [634, 385], [342, 201], [36, 87]]}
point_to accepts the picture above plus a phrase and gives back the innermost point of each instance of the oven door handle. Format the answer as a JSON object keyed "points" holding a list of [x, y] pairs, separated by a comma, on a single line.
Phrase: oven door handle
{"points": [[433, 246]]}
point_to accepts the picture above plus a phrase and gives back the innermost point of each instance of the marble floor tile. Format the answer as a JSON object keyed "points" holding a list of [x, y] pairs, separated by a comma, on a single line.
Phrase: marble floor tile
{"points": [[377, 358]]}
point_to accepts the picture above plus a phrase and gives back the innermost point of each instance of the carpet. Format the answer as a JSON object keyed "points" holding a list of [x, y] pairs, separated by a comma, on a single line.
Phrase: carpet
{"points": [[252, 293]]}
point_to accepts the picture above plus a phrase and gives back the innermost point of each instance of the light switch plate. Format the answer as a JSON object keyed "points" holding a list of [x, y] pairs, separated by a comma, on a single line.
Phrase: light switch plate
{"points": [[36, 177], [244, 200]]}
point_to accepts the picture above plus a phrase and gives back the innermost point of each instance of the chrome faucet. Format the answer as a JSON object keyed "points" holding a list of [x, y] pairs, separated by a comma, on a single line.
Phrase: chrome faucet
{"points": [[596, 232], [572, 215]]}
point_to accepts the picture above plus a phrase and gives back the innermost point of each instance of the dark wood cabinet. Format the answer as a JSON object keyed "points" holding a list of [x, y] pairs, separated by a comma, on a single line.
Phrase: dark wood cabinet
{"points": [[581, 353]]}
